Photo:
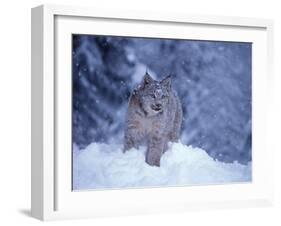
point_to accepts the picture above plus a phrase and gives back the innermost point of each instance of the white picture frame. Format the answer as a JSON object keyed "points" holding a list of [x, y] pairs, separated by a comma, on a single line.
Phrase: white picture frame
{"points": [[52, 197]]}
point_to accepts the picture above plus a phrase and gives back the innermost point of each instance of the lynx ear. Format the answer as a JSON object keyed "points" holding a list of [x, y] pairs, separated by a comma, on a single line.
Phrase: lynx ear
{"points": [[167, 82], [147, 79]]}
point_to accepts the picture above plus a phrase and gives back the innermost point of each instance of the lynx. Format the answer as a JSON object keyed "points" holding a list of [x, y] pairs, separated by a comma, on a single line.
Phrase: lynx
{"points": [[154, 118]]}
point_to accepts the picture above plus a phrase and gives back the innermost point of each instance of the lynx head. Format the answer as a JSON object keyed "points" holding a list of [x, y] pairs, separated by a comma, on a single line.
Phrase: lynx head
{"points": [[154, 95]]}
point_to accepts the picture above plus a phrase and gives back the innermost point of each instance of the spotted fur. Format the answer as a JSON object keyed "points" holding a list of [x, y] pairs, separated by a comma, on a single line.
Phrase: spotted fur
{"points": [[154, 118]]}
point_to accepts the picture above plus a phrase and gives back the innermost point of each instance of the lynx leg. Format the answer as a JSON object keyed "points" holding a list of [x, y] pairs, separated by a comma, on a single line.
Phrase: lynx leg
{"points": [[155, 150], [175, 134], [132, 139]]}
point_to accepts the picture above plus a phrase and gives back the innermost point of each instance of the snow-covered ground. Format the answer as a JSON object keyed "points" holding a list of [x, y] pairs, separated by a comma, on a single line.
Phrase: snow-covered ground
{"points": [[100, 166]]}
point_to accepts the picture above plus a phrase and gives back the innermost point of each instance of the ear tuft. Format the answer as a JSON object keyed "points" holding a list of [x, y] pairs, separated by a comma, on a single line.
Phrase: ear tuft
{"points": [[167, 82], [147, 79]]}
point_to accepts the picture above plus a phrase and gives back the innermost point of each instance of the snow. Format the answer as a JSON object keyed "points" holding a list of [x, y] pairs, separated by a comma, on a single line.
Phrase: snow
{"points": [[101, 166]]}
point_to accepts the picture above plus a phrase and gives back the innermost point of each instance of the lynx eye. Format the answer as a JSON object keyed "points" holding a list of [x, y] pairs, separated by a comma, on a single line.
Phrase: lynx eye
{"points": [[164, 96]]}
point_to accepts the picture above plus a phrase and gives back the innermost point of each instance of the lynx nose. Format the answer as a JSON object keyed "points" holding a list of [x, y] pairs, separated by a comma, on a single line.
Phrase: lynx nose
{"points": [[156, 107]]}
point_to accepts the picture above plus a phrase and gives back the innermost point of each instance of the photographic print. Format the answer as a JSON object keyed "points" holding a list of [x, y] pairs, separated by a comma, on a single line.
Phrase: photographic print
{"points": [[151, 112]]}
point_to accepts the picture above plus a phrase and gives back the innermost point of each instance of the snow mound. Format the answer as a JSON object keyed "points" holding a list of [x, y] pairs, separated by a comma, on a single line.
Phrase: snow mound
{"points": [[106, 166]]}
